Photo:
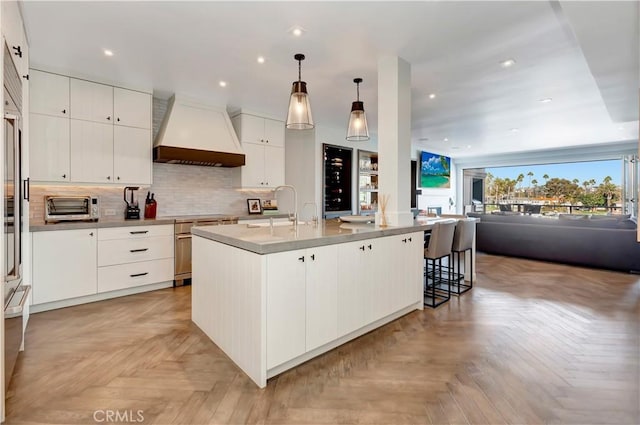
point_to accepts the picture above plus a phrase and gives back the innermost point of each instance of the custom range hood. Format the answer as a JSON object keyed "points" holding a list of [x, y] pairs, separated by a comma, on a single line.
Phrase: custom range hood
{"points": [[196, 134]]}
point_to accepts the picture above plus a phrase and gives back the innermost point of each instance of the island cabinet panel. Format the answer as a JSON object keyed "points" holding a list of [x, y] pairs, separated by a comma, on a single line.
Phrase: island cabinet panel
{"points": [[228, 299], [301, 302], [285, 306], [377, 277], [322, 295]]}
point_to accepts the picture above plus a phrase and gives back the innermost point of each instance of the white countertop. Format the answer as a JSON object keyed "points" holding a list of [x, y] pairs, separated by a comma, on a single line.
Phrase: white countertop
{"points": [[263, 240]]}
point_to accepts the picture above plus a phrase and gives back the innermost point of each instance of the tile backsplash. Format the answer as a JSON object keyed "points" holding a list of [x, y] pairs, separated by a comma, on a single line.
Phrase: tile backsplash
{"points": [[179, 190]]}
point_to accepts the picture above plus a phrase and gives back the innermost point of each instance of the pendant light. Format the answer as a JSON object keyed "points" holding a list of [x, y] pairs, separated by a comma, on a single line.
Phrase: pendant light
{"points": [[357, 130], [299, 117]]}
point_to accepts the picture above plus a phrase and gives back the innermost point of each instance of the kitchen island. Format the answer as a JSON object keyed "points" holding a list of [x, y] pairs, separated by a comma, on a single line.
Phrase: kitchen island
{"points": [[274, 297]]}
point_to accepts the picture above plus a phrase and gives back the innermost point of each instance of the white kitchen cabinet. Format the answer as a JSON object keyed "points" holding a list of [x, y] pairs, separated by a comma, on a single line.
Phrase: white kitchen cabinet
{"points": [[301, 302], [131, 108], [134, 256], [13, 32], [273, 166], [255, 129], [97, 145], [49, 146], [132, 157], [91, 101], [321, 296], [91, 152], [64, 264], [286, 326], [49, 94], [263, 144], [377, 277]]}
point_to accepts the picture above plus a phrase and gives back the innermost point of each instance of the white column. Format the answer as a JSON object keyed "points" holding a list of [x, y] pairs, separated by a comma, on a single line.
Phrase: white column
{"points": [[394, 139]]}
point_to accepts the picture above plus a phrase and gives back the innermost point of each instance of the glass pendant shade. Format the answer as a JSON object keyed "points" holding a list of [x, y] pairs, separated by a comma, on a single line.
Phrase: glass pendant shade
{"points": [[299, 116], [358, 131]]}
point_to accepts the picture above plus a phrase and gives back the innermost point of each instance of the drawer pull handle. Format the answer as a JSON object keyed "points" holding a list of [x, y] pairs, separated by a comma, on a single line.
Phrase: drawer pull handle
{"points": [[139, 250], [301, 259], [362, 248], [369, 246], [139, 274], [409, 239], [139, 232]]}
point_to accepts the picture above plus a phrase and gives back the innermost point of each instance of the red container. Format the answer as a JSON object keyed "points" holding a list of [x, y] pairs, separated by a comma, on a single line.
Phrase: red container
{"points": [[150, 209]]}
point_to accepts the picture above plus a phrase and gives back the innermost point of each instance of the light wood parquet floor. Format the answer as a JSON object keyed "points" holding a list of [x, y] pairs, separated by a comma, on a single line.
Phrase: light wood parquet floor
{"points": [[532, 343]]}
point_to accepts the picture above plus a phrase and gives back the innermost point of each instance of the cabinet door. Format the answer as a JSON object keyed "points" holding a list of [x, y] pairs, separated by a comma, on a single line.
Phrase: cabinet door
{"points": [[131, 108], [49, 148], [285, 307], [353, 298], [49, 93], [64, 265], [250, 129], [409, 257], [12, 30], [91, 101], [274, 132], [253, 169], [379, 276], [273, 166], [322, 296], [132, 155], [91, 152]]}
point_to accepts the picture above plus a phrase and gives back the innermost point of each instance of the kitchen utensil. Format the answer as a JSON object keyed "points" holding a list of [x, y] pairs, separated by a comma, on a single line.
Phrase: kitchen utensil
{"points": [[132, 210]]}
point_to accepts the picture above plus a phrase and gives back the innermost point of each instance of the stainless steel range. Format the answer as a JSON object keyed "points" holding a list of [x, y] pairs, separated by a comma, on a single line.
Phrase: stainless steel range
{"points": [[183, 242]]}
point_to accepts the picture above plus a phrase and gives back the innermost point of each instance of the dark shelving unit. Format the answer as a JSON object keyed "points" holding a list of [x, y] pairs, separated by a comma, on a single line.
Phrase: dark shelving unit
{"points": [[336, 166]]}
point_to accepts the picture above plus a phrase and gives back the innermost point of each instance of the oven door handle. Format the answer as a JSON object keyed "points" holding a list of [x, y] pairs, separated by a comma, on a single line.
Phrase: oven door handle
{"points": [[179, 237], [17, 310]]}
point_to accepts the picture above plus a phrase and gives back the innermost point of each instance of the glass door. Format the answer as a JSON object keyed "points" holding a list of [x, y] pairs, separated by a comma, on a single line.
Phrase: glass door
{"points": [[367, 182]]}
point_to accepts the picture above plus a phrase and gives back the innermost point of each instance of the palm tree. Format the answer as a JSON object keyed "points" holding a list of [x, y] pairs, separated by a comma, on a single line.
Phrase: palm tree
{"points": [[534, 182], [530, 175], [519, 180], [586, 185]]}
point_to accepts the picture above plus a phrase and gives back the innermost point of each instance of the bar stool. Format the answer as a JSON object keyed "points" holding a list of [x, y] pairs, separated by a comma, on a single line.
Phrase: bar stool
{"points": [[439, 247], [462, 242]]}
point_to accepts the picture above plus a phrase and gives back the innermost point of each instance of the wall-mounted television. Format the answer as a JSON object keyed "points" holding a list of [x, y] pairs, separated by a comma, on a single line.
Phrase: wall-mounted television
{"points": [[435, 171]]}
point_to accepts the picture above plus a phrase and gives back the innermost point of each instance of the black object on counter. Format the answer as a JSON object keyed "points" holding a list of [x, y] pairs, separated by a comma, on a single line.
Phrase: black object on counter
{"points": [[132, 210]]}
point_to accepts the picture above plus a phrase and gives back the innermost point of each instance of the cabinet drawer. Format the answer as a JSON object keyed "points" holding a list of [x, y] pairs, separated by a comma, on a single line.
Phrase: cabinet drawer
{"points": [[120, 251], [135, 232], [111, 278]]}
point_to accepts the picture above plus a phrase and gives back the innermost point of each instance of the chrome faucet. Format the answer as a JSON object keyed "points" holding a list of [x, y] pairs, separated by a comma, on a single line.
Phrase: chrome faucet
{"points": [[295, 201]]}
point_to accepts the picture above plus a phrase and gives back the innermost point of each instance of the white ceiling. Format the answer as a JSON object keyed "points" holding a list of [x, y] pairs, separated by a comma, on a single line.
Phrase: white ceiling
{"points": [[583, 55]]}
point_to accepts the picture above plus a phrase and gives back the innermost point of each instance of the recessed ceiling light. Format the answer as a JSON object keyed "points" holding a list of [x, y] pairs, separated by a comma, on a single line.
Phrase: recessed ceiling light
{"points": [[621, 128], [468, 146], [432, 96], [545, 100], [223, 84], [297, 31], [108, 52], [260, 59], [515, 130], [446, 139], [507, 63]]}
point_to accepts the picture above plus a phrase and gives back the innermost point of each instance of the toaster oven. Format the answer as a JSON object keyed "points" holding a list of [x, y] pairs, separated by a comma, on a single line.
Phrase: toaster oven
{"points": [[71, 208]]}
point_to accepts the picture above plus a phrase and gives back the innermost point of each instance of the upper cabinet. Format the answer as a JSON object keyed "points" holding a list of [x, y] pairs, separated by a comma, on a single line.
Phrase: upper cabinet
{"points": [[254, 129], [263, 144], [131, 108], [86, 132], [49, 94], [91, 101], [13, 31]]}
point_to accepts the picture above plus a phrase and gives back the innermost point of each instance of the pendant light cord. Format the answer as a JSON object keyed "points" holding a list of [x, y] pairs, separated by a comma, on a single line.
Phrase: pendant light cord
{"points": [[358, 92], [299, 70]]}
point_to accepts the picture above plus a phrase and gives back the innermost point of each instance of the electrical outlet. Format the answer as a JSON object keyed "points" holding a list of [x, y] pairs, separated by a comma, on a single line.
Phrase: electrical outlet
{"points": [[109, 211]]}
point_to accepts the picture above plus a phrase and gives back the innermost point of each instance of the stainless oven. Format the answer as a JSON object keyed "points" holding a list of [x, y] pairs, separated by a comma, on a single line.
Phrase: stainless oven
{"points": [[183, 243], [15, 294], [71, 208]]}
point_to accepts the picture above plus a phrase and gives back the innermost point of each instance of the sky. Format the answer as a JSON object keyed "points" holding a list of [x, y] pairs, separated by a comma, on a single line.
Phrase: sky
{"points": [[582, 171]]}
